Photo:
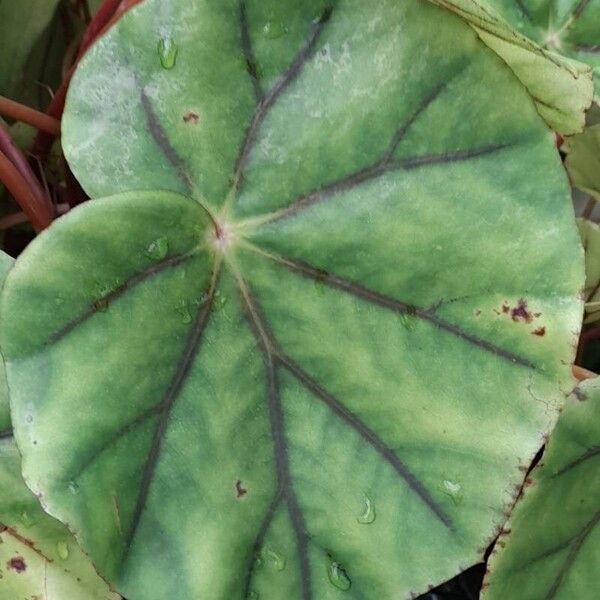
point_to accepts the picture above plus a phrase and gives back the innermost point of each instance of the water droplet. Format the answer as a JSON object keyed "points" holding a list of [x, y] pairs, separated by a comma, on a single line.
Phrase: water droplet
{"points": [[26, 519], [453, 489], [29, 418], [184, 311], [63, 550], [408, 322], [219, 301], [338, 577], [273, 30], [253, 595], [275, 559], [368, 514], [167, 52], [73, 487], [158, 249]]}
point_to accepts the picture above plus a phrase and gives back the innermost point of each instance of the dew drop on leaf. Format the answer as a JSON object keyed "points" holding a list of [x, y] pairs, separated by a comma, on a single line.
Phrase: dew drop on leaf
{"points": [[253, 595], [184, 311], [453, 489], [408, 322], [273, 30], [26, 519], [219, 301], [158, 249], [167, 52], [73, 487], [63, 550], [368, 515], [338, 576], [276, 560]]}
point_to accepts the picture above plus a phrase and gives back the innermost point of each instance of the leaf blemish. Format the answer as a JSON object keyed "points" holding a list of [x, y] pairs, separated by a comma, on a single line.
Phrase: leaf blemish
{"points": [[240, 490], [191, 117], [17, 564], [540, 331], [520, 312]]}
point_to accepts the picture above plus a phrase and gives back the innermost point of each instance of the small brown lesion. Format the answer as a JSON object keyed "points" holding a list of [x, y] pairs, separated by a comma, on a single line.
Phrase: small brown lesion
{"points": [[240, 490], [191, 117], [540, 331], [17, 564], [521, 312]]}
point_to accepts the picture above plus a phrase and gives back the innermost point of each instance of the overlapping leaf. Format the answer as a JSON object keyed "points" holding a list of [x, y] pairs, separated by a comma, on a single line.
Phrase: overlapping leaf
{"points": [[590, 238], [310, 343], [38, 556], [583, 160], [551, 546], [561, 87]]}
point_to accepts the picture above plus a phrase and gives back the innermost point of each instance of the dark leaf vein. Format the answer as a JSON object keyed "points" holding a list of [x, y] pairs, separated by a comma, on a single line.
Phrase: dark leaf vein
{"points": [[102, 302], [286, 492], [404, 308], [171, 395], [268, 100]]}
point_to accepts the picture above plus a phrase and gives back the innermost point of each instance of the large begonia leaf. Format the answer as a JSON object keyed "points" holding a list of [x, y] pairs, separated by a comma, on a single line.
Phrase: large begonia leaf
{"points": [[39, 559], [571, 27], [561, 87], [550, 548], [590, 238], [315, 364], [583, 160]]}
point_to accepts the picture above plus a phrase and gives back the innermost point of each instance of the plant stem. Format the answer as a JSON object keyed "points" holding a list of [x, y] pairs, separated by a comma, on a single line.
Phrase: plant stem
{"points": [[19, 162], [588, 208], [20, 217], [22, 192], [582, 374], [20, 112]]}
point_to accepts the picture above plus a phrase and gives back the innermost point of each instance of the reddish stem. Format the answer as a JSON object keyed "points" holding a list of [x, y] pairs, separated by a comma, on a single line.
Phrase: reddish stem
{"points": [[582, 374], [19, 162], [20, 189], [20, 112]]}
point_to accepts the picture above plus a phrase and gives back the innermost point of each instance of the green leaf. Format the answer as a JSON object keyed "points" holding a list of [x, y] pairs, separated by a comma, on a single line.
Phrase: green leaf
{"points": [[570, 28], [550, 547], [22, 25], [314, 365], [583, 160], [6, 263], [561, 87], [39, 558], [590, 238]]}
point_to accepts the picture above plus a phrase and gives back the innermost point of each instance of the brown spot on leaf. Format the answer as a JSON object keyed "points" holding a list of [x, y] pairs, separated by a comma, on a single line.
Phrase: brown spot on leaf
{"points": [[520, 312], [540, 331], [505, 308], [17, 564], [579, 394], [191, 117], [240, 490]]}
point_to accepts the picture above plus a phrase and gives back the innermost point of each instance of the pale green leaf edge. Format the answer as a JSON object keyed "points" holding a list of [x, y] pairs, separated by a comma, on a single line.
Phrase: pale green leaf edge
{"points": [[562, 88]]}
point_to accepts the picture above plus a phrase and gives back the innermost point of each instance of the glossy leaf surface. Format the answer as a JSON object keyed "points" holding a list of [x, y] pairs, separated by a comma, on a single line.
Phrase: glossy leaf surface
{"points": [[39, 558], [314, 363], [551, 548]]}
